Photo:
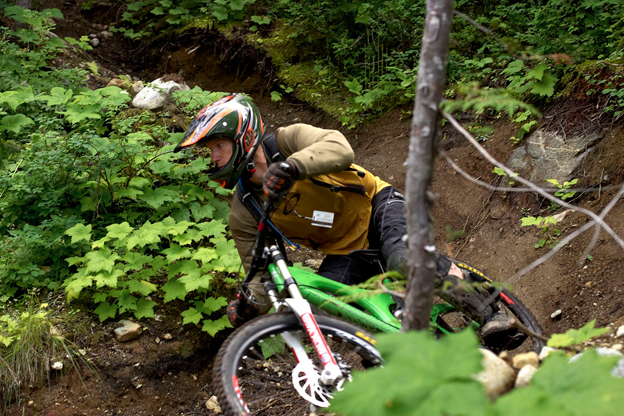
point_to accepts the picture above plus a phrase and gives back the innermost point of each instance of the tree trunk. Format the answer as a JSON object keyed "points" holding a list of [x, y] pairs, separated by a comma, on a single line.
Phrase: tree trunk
{"points": [[425, 130], [23, 3]]}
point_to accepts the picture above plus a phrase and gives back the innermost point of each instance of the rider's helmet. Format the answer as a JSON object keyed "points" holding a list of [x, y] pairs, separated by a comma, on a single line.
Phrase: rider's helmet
{"points": [[237, 118]]}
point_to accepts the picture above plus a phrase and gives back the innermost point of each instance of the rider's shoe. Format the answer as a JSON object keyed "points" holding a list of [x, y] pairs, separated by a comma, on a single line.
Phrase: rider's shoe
{"points": [[498, 334], [240, 312]]}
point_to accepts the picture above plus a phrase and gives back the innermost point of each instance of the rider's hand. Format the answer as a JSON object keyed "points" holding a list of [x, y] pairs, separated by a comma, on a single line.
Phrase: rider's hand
{"points": [[279, 178]]}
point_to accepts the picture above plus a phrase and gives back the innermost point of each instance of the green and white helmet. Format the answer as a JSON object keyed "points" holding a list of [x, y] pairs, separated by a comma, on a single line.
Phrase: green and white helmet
{"points": [[237, 118]]}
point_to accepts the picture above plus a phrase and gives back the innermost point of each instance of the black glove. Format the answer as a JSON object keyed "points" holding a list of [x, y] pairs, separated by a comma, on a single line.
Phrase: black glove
{"points": [[279, 178]]}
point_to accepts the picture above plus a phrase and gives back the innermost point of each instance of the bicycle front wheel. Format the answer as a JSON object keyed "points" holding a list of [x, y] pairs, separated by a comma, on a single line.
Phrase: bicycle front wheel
{"points": [[254, 368]]}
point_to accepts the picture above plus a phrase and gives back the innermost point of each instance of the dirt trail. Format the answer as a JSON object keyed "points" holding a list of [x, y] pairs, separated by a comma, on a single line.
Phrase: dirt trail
{"points": [[146, 377]]}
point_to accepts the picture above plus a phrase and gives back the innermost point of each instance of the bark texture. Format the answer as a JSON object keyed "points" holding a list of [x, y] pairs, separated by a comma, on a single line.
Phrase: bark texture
{"points": [[425, 130]]}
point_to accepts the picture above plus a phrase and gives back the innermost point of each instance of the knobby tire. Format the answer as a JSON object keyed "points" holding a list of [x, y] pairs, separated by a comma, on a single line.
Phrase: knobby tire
{"points": [[265, 384]]}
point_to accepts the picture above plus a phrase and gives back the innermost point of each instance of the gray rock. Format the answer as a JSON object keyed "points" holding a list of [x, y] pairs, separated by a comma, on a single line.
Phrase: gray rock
{"points": [[106, 34], [94, 42], [522, 360], [158, 95], [547, 155], [525, 375], [128, 331], [620, 332], [213, 404], [497, 376]]}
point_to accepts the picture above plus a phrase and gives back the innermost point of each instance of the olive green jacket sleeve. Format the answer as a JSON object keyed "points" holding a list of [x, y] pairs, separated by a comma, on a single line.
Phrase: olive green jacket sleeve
{"points": [[313, 150], [243, 226]]}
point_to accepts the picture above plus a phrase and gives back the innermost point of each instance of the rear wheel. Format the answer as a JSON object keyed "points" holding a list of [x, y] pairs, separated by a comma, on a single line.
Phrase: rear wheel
{"points": [[254, 368], [453, 320]]}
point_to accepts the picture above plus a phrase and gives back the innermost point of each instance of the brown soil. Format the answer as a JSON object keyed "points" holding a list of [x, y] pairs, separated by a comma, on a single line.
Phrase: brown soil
{"points": [[172, 377]]}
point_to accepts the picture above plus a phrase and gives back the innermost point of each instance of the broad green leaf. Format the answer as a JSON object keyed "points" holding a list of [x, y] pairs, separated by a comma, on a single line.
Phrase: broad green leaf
{"points": [[205, 255], [272, 346], [584, 387], [191, 316], [576, 336], [190, 236], [107, 279], [126, 301], [105, 310], [212, 327], [15, 123], [144, 308], [201, 212], [184, 267], [16, 98], [211, 305], [419, 378], [211, 228], [79, 282], [196, 280], [119, 231], [537, 72], [136, 260], [58, 96], [545, 87], [157, 197], [99, 260], [79, 232], [173, 227], [176, 252], [173, 289], [141, 286], [76, 113]]}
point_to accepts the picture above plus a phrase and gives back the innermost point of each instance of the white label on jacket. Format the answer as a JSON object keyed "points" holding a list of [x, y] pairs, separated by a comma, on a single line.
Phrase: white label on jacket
{"points": [[323, 219]]}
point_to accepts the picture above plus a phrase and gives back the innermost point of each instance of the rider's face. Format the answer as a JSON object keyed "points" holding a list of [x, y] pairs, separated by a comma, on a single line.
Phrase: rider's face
{"points": [[221, 150]]}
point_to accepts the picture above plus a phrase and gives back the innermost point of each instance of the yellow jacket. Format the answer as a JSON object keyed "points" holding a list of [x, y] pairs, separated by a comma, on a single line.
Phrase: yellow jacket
{"points": [[329, 208]]}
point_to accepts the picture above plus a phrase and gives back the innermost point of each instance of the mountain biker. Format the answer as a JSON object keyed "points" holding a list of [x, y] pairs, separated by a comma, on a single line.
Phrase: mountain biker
{"points": [[326, 203]]}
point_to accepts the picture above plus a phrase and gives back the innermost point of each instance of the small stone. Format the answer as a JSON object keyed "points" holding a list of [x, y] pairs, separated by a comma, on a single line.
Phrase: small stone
{"points": [[545, 352], [525, 375], [82, 352], [157, 340], [106, 34], [128, 331], [138, 386], [497, 376], [167, 336], [94, 42], [617, 347], [556, 314], [30, 403], [522, 360], [620, 332], [213, 404], [57, 365]]}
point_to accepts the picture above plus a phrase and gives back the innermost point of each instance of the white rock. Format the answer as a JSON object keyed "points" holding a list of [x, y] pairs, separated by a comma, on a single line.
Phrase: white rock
{"points": [[617, 347], [620, 332], [167, 336], [94, 42], [529, 358], [545, 352], [525, 375], [213, 404], [128, 331], [497, 376], [159, 94], [555, 314], [106, 34], [57, 365]]}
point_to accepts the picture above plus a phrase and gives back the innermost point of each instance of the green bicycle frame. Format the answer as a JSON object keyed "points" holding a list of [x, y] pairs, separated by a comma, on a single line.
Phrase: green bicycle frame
{"points": [[374, 312]]}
